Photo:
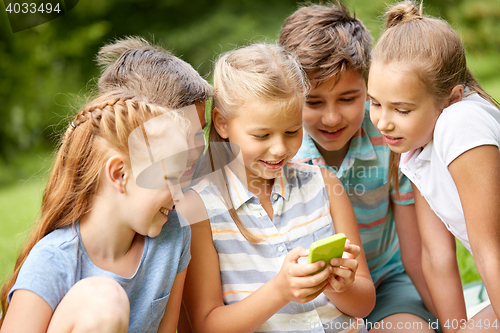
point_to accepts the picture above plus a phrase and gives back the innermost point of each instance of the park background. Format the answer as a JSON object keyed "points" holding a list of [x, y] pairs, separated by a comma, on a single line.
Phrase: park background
{"points": [[46, 73]]}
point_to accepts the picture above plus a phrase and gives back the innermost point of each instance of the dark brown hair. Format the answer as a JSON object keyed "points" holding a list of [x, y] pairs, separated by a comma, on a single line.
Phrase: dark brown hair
{"points": [[327, 40]]}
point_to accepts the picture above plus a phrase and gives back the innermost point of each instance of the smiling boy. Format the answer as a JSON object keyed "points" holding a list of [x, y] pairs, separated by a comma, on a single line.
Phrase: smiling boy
{"points": [[334, 48]]}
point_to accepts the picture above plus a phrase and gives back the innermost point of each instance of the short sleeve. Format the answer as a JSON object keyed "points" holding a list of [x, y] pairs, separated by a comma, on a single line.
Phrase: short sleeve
{"points": [[463, 126], [405, 195], [46, 272], [186, 248]]}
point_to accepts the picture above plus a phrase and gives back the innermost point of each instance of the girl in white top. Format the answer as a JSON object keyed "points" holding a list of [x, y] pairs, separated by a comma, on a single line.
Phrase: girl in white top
{"points": [[430, 109]]}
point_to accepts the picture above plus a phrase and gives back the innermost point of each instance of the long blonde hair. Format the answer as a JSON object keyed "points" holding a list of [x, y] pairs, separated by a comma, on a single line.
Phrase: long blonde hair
{"points": [[264, 72], [434, 51], [101, 125]]}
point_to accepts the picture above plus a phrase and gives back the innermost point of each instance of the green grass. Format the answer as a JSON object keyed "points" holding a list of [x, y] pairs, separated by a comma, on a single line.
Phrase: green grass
{"points": [[20, 198], [19, 205]]}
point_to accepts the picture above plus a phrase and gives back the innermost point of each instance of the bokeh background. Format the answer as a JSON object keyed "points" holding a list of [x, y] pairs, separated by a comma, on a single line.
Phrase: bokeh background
{"points": [[46, 73]]}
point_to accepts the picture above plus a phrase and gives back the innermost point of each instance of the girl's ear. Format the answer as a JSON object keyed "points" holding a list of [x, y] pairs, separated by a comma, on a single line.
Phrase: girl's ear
{"points": [[116, 173], [457, 93], [220, 123]]}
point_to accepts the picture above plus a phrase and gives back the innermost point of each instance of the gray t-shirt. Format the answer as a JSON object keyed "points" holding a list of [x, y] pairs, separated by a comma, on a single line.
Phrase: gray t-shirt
{"points": [[59, 260]]}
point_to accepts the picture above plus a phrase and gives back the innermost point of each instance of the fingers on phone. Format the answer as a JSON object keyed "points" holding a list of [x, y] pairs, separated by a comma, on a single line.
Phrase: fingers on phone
{"points": [[341, 272], [352, 249], [309, 269], [349, 263]]}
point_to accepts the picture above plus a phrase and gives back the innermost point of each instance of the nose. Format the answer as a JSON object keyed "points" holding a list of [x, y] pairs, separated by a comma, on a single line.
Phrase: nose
{"points": [[331, 117], [279, 146], [383, 121]]}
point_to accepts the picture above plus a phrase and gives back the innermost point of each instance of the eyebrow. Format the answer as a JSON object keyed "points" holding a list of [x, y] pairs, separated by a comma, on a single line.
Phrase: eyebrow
{"points": [[268, 128], [394, 103], [348, 92]]}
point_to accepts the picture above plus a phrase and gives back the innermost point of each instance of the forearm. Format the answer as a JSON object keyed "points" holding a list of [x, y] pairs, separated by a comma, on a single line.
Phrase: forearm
{"points": [[445, 287], [414, 271], [488, 266], [410, 246], [246, 315], [358, 300]]}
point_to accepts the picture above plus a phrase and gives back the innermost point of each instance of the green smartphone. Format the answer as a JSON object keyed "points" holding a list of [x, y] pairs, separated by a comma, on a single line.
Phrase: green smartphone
{"points": [[327, 249]]}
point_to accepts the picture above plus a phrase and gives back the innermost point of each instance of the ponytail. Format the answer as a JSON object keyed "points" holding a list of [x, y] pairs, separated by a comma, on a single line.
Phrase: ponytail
{"points": [[432, 49]]}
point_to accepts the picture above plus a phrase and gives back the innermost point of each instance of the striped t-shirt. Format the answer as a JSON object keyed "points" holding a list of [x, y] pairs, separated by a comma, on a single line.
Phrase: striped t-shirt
{"points": [[364, 173], [301, 216]]}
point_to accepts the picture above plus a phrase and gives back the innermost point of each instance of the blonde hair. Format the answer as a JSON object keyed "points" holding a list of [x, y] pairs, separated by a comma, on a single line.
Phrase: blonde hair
{"points": [[102, 125], [150, 72], [327, 40], [432, 49], [263, 72]]}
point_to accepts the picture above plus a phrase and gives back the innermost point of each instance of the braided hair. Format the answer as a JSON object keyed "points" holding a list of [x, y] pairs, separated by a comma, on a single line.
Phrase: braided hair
{"points": [[99, 130]]}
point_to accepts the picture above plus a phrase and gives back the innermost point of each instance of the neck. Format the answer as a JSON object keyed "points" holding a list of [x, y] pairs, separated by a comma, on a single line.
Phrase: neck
{"points": [[105, 235], [259, 186], [334, 158]]}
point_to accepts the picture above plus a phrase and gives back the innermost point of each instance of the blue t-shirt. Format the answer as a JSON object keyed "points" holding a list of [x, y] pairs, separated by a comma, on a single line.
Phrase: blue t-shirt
{"points": [[59, 260]]}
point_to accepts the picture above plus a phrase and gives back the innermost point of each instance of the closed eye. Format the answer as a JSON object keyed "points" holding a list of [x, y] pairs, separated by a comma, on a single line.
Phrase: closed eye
{"points": [[347, 100], [403, 111], [293, 132], [313, 103]]}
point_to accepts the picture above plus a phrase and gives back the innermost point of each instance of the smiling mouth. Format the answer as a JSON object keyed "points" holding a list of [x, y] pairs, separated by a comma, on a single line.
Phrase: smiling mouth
{"points": [[273, 164], [164, 210], [392, 138], [331, 132]]}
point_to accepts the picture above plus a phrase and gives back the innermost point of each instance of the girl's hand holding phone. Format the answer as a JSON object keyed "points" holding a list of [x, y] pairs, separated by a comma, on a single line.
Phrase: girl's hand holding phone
{"points": [[299, 283], [343, 270]]}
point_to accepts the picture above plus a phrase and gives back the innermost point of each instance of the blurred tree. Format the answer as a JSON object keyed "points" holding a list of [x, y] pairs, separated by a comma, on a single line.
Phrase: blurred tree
{"points": [[42, 69]]}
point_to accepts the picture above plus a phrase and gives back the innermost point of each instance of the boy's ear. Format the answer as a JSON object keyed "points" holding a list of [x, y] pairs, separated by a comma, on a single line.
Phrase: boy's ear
{"points": [[457, 93], [116, 173], [220, 123]]}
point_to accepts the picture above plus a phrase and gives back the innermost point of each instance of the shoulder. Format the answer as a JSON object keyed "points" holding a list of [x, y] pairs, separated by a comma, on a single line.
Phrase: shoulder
{"points": [[50, 269], [473, 110], [62, 242], [464, 125]]}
